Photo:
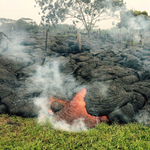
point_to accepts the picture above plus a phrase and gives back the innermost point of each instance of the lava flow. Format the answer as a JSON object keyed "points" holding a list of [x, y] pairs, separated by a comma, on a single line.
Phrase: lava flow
{"points": [[75, 109]]}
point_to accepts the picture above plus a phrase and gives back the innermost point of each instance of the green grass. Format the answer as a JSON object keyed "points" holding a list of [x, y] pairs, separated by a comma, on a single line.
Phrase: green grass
{"points": [[24, 133]]}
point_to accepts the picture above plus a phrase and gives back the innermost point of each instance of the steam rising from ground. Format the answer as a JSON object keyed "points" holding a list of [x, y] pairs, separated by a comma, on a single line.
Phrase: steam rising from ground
{"points": [[143, 118], [77, 126], [138, 23], [50, 82], [13, 48], [130, 26]]}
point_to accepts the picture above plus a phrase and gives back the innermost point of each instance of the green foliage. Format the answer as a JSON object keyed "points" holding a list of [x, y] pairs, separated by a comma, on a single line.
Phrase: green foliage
{"points": [[23, 25], [117, 3], [24, 134], [86, 12], [86, 1], [20, 25], [137, 13]]}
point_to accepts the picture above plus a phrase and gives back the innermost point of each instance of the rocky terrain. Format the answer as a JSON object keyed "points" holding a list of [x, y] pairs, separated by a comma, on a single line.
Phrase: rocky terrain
{"points": [[116, 75]]}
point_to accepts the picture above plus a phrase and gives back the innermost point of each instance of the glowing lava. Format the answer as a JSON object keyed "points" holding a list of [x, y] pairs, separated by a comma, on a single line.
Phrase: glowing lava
{"points": [[75, 109]]}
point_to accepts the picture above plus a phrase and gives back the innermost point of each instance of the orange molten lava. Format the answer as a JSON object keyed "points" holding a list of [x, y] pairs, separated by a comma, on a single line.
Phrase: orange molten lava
{"points": [[75, 109]]}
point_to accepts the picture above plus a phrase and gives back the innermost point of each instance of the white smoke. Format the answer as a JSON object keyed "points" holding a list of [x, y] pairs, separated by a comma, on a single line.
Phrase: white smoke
{"points": [[50, 82], [78, 125], [143, 118], [46, 80], [138, 22], [12, 48]]}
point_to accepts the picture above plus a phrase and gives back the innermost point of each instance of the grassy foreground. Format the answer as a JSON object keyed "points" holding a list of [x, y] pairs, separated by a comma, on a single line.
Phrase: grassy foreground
{"points": [[24, 133]]}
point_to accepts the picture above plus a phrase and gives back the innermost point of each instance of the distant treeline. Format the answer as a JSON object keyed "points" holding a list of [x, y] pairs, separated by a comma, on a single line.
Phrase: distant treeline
{"points": [[26, 24]]}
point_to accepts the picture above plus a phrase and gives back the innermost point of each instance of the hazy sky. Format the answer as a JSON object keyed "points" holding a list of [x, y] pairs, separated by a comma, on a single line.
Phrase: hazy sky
{"points": [[16, 9]]}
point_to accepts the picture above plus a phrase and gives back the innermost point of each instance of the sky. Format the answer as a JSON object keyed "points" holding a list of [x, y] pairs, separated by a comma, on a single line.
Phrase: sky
{"points": [[16, 9]]}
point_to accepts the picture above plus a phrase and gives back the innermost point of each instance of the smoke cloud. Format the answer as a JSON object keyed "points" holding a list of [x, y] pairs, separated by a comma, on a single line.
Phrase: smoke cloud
{"points": [[139, 22], [51, 83], [13, 48]]}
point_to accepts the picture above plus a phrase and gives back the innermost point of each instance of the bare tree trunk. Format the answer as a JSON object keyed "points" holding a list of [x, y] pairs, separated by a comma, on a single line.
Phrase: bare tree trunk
{"points": [[46, 39], [142, 42], [119, 38], [88, 33], [79, 41], [99, 33]]}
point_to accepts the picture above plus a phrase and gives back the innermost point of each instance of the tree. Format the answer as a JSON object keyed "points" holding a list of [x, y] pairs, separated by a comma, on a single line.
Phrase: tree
{"points": [[87, 12], [26, 24], [137, 13]]}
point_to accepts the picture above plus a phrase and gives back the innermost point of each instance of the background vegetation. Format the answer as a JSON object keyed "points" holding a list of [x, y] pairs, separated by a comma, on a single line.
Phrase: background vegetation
{"points": [[85, 12]]}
